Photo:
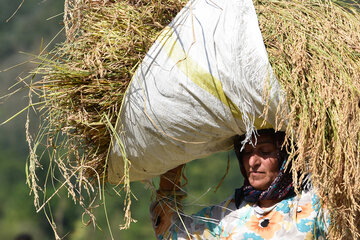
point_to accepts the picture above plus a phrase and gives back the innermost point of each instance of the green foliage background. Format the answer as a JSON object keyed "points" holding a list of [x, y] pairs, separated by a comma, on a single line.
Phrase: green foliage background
{"points": [[22, 36]]}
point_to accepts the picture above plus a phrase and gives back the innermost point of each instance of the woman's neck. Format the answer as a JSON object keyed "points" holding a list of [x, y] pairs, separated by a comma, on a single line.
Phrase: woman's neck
{"points": [[268, 203]]}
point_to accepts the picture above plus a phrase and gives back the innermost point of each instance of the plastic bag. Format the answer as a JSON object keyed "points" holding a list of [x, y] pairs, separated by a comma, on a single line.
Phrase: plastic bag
{"points": [[200, 84]]}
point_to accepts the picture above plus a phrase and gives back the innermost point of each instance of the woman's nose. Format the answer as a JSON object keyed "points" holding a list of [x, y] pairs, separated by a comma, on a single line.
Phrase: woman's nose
{"points": [[254, 160]]}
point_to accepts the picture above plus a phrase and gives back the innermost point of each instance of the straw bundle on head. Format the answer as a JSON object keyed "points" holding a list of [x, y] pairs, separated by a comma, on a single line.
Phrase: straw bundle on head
{"points": [[313, 47], [86, 81], [314, 50]]}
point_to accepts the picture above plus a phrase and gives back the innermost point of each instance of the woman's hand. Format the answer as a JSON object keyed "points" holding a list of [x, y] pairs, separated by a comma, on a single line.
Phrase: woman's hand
{"points": [[171, 180], [168, 200]]}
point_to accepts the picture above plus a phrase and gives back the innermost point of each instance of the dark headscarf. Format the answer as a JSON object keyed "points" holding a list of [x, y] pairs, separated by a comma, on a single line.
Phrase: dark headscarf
{"points": [[282, 186]]}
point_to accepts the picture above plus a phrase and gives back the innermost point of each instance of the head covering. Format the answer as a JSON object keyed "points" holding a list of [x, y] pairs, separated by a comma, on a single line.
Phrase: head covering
{"points": [[282, 186]]}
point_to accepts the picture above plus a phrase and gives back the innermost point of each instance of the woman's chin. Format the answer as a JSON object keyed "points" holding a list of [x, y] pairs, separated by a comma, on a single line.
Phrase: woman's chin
{"points": [[259, 185]]}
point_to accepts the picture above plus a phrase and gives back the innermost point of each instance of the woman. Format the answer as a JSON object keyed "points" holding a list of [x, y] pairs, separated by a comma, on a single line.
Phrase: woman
{"points": [[265, 207]]}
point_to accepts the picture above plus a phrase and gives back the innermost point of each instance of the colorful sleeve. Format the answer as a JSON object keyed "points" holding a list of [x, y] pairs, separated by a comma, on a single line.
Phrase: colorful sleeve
{"points": [[170, 222]]}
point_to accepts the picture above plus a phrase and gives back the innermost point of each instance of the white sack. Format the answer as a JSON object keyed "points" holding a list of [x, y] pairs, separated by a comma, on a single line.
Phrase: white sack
{"points": [[200, 84]]}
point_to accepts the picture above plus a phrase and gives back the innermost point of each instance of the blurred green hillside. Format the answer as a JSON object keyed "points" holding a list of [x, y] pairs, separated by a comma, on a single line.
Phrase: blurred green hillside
{"points": [[33, 26]]}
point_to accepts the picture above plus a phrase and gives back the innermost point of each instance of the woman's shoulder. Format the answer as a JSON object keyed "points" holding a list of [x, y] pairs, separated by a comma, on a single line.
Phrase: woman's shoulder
{"points": [[224, 208]]}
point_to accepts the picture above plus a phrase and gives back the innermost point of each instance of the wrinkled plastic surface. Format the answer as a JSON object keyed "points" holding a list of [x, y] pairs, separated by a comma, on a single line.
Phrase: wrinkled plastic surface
{"points": [[200, 84]]}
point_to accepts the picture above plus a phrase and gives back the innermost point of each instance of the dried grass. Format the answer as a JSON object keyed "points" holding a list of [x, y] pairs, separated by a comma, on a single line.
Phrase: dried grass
{"points": [[82, 86], [313, 47]]}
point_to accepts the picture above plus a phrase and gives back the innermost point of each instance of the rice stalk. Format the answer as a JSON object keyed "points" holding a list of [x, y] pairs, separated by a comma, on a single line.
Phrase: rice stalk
{"points": [[313, 47], [81, 90]]}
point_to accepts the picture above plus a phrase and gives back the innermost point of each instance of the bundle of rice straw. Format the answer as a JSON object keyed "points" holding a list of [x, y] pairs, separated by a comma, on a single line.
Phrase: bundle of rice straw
{"points": [[84, 80], [313, 47], [314, 50]]}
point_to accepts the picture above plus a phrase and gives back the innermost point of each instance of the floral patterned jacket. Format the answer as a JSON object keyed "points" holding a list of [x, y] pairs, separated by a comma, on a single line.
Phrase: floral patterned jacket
{"points": [[299, 217]]}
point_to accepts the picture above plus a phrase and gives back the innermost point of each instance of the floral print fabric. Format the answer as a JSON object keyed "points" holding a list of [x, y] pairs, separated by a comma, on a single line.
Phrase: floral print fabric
{"points": [[299, 217]]}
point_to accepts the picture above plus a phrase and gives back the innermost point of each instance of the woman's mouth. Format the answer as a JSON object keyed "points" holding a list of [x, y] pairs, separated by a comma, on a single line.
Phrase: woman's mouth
{"points": [[256, 173]]}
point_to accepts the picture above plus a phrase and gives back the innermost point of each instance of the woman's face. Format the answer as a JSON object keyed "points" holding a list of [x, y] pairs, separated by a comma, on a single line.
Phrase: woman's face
{"points": [[261, 162]]}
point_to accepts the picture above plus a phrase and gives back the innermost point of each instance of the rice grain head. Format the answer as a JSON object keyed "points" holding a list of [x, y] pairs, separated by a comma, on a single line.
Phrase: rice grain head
{"points": [[313, 47]]}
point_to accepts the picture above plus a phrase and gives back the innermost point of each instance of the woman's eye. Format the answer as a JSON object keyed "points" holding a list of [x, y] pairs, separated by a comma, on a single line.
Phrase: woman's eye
{"points": [[266, 152]]}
